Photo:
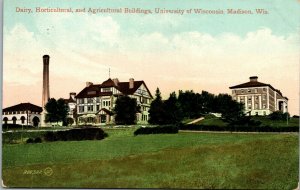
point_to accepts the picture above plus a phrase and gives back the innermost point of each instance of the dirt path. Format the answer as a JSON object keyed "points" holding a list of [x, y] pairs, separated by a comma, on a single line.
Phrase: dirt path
{"points": [[196, 120]]}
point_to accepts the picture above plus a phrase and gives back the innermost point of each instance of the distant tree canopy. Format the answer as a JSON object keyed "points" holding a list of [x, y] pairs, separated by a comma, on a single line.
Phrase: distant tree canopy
{"points": [[279, 115], [57, 111], [192, 105], [125, 110]]}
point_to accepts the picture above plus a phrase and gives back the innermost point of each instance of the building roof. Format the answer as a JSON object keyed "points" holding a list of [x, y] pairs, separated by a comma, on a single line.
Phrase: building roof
{"points": [[94, 90], [252, 84], [70, 100], [23, 107]]}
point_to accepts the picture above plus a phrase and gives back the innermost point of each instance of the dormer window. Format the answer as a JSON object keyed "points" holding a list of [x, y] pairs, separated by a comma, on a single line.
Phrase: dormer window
{"points": [[106, 89], [91, 92]]}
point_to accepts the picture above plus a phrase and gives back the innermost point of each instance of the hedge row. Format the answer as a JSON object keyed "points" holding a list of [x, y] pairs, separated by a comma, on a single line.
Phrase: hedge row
{"points": [[168, 129], [16, 126], [36, 140], [239, 128], [76, 135]]}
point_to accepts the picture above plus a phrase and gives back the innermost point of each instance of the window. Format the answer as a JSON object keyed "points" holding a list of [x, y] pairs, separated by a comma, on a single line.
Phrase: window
{"points": [[249, 98], [242, 91], [81, 101], [91, 92], [264, 106], [256, 97], [264, 97], [90, 100], [249, 90], [90, 108], [97, 99], [264, 89], [106, 103], [98, 107], [106, 89], [81, 109]]}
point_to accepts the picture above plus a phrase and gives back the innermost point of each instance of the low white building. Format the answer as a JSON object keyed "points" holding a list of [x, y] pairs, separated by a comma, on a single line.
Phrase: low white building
{"points": [[23, 114], [259, 98]]}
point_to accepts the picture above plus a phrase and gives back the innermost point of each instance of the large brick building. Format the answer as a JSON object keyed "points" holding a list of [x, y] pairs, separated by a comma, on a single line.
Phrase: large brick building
{"points": [[259, 98], [95, 102]]}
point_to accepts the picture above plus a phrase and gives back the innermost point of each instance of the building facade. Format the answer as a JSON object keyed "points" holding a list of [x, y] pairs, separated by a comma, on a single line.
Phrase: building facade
{"points": [[259, 98], [95, 102], [71, 102], [23, 114]]}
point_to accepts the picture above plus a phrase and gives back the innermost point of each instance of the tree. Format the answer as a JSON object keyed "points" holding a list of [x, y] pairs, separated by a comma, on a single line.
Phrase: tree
{"points": [[172, 110], [156, 111], [279, 115], [125, 110], [70, 121], [57, 110], [191, 104], [230, 109]]}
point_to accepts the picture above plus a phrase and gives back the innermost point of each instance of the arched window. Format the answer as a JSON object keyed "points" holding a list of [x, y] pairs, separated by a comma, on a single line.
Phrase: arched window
{"points": [[23, 119], [35, 121], [5, 119], [14, 119]]}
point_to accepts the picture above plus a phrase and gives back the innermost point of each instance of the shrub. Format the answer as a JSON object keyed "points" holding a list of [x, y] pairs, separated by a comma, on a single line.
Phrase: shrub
{"points": [[237, 128], [279, 115], [168, 129], [77, 134], [37, 140], [16, 126], [30, 140]]}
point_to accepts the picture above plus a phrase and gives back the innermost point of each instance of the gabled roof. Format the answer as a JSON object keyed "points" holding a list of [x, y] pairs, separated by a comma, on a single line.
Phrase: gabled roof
{"points": [[252, 84], [106, 111], [108, 83], [70, 100], [23, 107], [94, 90]]}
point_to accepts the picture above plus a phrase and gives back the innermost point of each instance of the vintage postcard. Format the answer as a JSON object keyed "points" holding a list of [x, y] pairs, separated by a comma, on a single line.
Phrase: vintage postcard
{"points": [[139, 94]]}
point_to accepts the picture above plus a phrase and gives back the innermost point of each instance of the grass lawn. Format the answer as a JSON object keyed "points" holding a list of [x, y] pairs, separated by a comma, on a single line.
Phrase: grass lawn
{"points": [[184, 160]]}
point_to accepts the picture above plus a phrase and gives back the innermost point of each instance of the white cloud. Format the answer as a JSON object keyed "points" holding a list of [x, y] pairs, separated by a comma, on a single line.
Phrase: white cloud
{"points": [[84, 50]]}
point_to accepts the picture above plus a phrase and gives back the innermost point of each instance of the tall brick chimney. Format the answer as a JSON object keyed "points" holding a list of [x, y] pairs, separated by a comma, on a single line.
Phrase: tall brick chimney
{"points": [[46, 87]]}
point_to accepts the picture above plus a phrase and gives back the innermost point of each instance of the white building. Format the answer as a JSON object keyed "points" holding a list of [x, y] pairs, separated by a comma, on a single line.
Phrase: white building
{"points": [[95, 102], [23, 114], [259, 98]]}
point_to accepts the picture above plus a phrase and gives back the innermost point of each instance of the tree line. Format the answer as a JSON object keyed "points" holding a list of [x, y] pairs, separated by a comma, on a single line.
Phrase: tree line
{"points": [[190, 105], [187, 105]]}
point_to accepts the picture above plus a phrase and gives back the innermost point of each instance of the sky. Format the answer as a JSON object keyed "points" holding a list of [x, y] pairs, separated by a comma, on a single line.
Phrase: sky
{"points": [[174, 52]]}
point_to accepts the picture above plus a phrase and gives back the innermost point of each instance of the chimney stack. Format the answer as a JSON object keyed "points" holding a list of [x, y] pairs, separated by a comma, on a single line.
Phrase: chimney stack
{"points": [[46, 91], [116, 81], [72, 95], [88, 84], [46, 88], [131, 83], [253, 79]]}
